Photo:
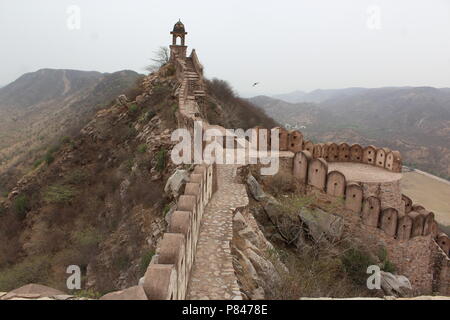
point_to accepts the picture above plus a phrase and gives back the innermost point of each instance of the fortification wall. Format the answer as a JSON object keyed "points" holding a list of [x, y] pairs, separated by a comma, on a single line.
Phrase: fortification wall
{"points": [[340, 152], [389, 194], [169, 272], [197, 65], [375, 212]]}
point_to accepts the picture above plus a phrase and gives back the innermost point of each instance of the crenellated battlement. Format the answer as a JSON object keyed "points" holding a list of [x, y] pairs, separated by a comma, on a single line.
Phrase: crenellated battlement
{"points": [[339, 152], [313, 165], [168, 274]]}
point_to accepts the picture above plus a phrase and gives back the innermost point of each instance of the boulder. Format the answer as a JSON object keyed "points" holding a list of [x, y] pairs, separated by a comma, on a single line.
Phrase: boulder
{"points": [[133, 293], [169, 213], [395, 285], [122, 100], [257, 294], [264, 268], [273, 211], [32, 291], [239, 222], [39, 289], [176, 181], [255, 188], [322, 225]]}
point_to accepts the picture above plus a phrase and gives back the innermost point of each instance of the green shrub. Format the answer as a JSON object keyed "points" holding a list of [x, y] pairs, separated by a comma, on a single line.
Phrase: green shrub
{"points": [[59, 194], [145, 260], [133, 108], [128, 165], [21, 206], [161, 160], [386, 264], [89, 293], [49, 158], [142, 148], [166, 209], [89, 237], [355, 263], [37, 163], [31, 270], [149, 115], [65, 140]]}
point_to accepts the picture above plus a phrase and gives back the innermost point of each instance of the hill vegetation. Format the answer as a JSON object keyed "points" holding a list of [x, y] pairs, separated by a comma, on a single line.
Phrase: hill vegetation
{"points": [[96, 198], [40, 109]]}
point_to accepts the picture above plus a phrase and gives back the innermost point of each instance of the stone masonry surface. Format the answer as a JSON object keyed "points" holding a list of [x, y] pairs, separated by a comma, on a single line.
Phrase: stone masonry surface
{"points": [[213, 274]]}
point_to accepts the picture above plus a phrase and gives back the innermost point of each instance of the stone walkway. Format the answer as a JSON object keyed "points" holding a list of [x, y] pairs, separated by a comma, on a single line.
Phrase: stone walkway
{"points": [[212, 275], [361, 172]]}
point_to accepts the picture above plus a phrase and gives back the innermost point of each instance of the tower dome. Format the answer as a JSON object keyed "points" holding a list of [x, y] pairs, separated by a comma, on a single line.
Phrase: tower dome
{"points": [[179, 27]]}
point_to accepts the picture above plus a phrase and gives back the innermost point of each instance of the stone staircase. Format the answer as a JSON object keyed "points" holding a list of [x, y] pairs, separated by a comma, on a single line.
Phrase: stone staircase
{"points": [[191, 91]]}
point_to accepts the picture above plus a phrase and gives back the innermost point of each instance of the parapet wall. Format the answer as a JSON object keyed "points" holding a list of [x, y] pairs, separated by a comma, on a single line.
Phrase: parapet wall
{"points": [[411, 236], [310, 166], [415, 221], [197, 65], [338, 152], [168, 274], [408, 231]]}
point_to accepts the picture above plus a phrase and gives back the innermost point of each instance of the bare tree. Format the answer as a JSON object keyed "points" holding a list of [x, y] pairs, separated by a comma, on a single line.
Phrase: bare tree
{"points": [[161, 57]]}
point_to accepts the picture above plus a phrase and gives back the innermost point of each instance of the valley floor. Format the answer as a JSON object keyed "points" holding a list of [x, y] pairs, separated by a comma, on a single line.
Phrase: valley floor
{"points": [[430, 191]]}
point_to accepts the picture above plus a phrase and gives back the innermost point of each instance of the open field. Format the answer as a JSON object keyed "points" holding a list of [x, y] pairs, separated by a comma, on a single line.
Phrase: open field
{"points": [[431, 192]]}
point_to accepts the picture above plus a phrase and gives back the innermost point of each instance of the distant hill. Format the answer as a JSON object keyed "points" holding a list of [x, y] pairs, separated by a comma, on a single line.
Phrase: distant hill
{"points": [[317, 96], [414, 120], [292, 97], [43, 106]]}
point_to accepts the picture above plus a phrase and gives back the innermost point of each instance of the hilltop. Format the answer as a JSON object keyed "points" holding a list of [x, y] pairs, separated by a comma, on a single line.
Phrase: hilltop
{"points": [[41, 108], [100, 200]]}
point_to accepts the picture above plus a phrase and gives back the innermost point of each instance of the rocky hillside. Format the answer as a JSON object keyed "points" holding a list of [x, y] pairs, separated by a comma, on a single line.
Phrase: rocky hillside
{"points": [[415, 121], [98, 200], [40, 108]]}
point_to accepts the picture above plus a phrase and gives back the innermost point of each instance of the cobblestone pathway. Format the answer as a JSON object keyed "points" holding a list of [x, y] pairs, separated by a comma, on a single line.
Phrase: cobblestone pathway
{"points": [[212, 275]]}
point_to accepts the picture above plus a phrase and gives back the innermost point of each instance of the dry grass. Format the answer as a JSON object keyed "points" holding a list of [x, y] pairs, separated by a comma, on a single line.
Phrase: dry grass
{"points": [[322, 271], [433, 194]]}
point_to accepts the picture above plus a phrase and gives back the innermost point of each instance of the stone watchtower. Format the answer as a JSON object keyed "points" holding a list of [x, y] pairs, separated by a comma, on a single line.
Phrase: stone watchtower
{"points": [[178, 50]]}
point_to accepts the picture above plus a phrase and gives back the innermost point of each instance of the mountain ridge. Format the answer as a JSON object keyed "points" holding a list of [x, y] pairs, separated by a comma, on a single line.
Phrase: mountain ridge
{"points": [[38, 108]]}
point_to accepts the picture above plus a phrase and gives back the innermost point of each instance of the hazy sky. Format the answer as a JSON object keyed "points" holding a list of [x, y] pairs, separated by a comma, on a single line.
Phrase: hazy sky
{"points": [[284, 45]]}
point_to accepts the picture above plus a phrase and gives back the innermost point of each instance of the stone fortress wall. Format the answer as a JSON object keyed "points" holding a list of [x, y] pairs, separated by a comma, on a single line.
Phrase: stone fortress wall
{"points": [[408, 231], [376, 209], [384, 215], [168, 274]]}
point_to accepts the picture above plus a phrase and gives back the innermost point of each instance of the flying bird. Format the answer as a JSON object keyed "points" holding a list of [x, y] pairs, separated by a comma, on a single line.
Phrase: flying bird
{"points": [[255, 84]]}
